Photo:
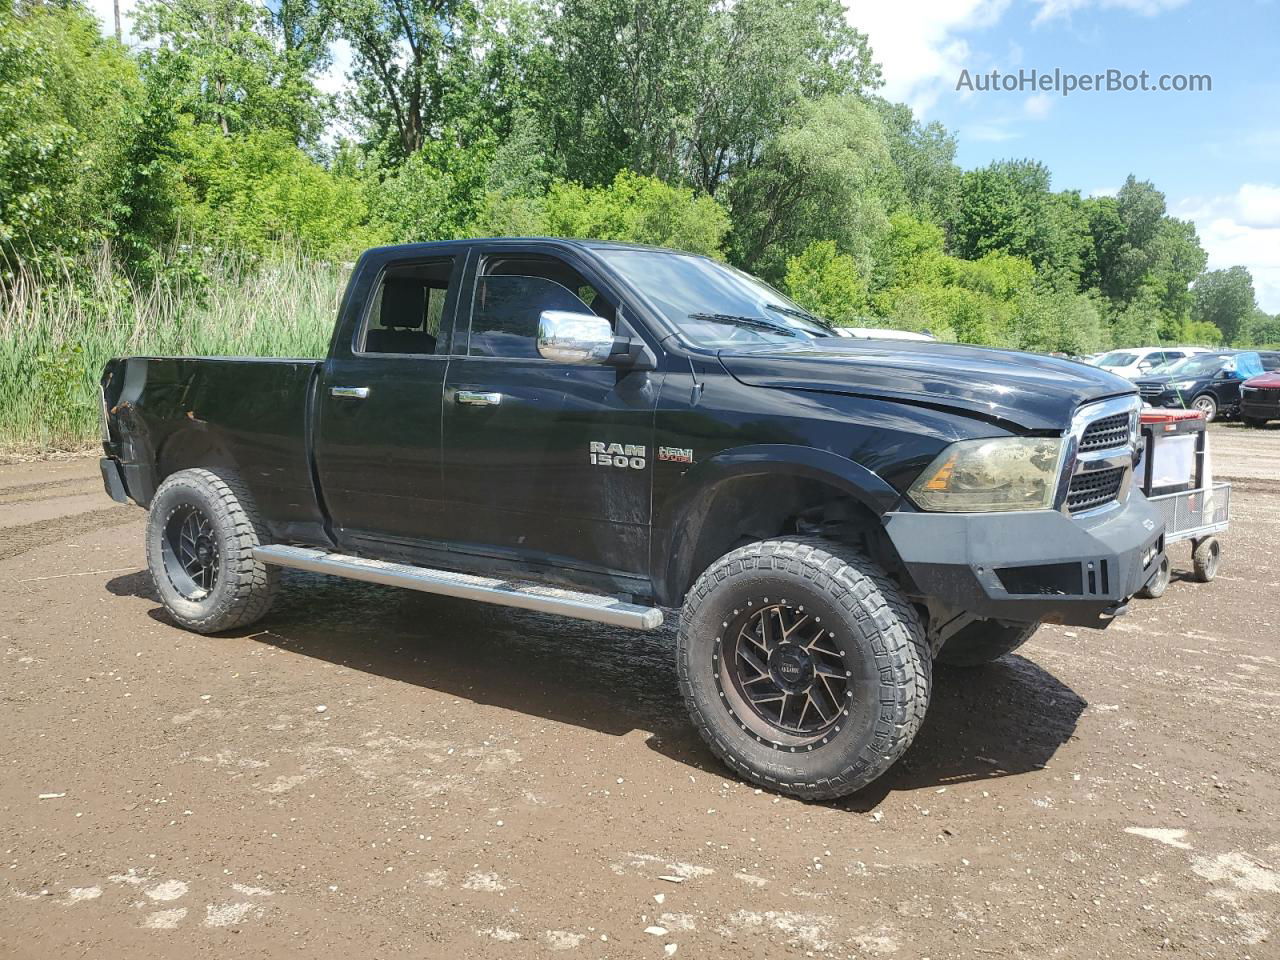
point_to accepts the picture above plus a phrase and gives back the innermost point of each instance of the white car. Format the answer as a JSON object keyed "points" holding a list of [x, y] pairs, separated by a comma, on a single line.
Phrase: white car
{"points": [[1134, 362], [882, 333]]}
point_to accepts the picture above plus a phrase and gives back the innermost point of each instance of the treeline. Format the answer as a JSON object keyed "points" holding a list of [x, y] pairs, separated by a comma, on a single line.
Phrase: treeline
{"points": [[751, 131]]}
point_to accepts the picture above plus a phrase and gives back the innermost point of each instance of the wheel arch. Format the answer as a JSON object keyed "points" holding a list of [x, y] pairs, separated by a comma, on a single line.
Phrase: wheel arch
{"points": [[756, 492]]}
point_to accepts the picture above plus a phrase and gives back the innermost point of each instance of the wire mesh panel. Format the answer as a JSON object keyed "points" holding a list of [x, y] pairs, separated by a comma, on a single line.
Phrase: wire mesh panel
{"points": [[1194, 512]]}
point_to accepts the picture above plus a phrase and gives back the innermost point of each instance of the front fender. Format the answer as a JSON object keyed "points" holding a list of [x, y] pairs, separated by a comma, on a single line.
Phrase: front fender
{"points": [[684, 513]]}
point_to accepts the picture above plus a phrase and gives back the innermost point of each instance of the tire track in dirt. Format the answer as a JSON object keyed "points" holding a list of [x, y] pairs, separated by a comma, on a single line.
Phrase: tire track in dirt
{"points": [[49, 490], [18, 540]]}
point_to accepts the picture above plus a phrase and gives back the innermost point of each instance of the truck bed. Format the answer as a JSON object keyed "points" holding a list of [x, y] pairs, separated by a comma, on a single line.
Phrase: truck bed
{"points": [[248, 414]]}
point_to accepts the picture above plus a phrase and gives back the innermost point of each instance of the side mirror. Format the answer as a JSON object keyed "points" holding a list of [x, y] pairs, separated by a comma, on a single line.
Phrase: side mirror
{"points": [[567, 337]]}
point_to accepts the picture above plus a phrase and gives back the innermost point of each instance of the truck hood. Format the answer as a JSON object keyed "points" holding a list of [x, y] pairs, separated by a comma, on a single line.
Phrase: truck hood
{"points": [[1267, 381], [1027, 390]]}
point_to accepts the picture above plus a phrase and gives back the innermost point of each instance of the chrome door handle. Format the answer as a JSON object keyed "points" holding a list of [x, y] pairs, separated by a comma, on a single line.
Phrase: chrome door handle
{"points": [[349, 393], [478, 398]]}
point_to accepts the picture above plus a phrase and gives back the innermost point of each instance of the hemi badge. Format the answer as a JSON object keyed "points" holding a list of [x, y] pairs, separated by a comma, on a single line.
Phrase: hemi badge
{"points": [[676, 454]]}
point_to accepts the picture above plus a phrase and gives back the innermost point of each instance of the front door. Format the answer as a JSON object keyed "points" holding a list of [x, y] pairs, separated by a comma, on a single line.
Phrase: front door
{"points": [[544, 461], [378, 438]]}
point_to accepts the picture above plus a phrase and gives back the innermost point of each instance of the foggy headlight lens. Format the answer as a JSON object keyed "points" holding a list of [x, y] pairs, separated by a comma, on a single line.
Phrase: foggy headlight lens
{"points": [[1184, 384], [982, 476]]}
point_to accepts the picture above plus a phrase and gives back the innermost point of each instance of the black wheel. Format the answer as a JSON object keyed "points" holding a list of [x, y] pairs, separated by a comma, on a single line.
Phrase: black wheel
{"points": [[1159, 583], [1206, 555], [983, 641], [1207, 405], [1255, 422], [201, 531], [803, 666]]}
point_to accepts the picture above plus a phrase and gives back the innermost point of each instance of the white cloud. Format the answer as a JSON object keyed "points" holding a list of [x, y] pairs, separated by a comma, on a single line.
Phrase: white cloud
{"points": [[1242, 228], [1052, 9], [1104, 191], [1038, 105], [920, 49]]}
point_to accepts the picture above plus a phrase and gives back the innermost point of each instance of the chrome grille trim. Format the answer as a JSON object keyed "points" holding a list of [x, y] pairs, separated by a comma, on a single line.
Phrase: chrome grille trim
{"points": [[1095, 449]]}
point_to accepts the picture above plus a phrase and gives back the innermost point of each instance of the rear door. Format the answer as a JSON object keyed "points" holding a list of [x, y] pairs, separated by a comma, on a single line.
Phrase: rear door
{"points": [[379, 434], [544, 461]]}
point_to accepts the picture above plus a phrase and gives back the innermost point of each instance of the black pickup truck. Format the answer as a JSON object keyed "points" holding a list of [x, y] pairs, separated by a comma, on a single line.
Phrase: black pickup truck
{"points": [[601, 431]]}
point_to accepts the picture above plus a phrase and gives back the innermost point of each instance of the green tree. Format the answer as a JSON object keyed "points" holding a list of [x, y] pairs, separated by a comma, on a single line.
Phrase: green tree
{"points": [[822, 178], [1225, 298], [407, 56], [1008, 206], [251, 192], [1262, 330], [433, 195], [924, 157], [632, 208], [226, 64], [620, 79], [757, 60], [67, 100], [827, 282]]}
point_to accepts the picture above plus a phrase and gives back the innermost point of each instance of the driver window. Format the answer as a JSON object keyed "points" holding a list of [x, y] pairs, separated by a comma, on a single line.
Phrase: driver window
{"points": [[512, 292]]}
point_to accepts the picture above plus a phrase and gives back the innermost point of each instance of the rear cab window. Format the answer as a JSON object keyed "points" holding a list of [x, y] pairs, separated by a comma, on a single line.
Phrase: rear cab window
{"points": [[407, 313]]}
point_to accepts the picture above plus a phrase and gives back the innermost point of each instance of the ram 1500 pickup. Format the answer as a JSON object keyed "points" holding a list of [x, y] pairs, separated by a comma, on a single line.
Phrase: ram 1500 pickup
{"points": [[603, 431]]}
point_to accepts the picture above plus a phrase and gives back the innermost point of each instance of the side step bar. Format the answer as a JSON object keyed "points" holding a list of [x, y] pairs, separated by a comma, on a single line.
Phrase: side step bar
{"points": [[507, 593]]}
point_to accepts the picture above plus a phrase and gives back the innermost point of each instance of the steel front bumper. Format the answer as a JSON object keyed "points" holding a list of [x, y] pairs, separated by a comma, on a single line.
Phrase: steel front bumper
{"points": [[1034, 565]]}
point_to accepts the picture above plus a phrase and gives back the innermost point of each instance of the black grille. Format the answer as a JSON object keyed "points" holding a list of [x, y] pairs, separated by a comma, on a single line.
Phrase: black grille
{"points": [[1150, 389], [1089, 490], [1107, 432]]}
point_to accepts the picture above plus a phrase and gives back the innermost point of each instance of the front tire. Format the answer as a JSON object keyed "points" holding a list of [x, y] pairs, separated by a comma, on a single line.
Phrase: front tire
{"points": [[201, 531], [1158, 584], [803, 666], [1206, 556], [1256, 423], [983, 641], [1207, 406]]}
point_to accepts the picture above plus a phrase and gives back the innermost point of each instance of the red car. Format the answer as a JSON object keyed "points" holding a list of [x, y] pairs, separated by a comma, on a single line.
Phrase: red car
{"points": [[1260, 399]]}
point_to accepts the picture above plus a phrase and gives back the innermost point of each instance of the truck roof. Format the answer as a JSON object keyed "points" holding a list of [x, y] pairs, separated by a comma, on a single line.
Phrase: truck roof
{"points": [[555, 241]]}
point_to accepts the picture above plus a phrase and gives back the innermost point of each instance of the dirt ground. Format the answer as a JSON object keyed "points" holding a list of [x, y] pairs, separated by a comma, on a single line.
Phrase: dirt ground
{"points": [[376, 773]]}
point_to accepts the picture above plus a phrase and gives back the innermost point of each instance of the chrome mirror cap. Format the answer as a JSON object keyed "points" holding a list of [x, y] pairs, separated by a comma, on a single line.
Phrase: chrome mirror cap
{"points": [[567, 337]]}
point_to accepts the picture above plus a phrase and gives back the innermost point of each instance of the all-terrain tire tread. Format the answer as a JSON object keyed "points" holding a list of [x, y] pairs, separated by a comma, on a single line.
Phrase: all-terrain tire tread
{"points": [[867, 594], [254, 582]]}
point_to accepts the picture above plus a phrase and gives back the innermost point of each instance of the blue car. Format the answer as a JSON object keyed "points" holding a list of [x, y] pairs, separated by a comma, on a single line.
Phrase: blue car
{"points": [[1208, 382]]}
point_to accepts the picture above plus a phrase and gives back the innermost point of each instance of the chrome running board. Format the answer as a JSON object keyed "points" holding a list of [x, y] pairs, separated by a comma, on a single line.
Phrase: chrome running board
{"points": [[508, 593]]}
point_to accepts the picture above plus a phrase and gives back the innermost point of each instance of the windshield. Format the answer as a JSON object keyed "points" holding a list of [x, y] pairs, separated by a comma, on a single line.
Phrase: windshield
{"points": [[1116, 358], [1199, 364], [712, 304]]}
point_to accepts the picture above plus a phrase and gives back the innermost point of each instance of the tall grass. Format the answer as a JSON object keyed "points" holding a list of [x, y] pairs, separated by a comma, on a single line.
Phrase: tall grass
{"points": [[55, 337]]}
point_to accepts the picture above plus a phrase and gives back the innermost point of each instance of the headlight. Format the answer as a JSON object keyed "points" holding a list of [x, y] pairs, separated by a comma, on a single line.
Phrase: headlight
{"points": [[1185, 384], [982, 476]]}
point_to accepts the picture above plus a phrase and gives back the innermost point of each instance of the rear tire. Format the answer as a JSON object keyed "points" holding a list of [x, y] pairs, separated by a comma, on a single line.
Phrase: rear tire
{"points": [[803, 666], [1206, 556], [1255, 422], [984, 641], [201, 531]]}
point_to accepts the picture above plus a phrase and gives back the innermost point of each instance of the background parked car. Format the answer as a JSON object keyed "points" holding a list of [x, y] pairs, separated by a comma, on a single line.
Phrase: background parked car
{"points": [[1135, 362], [1260, 398], [1208, 382]]}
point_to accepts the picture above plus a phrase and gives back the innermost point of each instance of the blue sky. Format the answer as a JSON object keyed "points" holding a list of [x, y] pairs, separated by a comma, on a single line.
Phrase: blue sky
{"points": [[1216, 155]]}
